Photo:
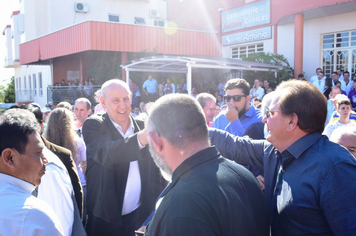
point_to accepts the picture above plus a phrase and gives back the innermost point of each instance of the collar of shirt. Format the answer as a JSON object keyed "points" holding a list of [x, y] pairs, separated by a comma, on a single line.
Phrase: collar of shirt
{"points": [[130, 130], [302, 144], [25, 186], [250, 112], [193, 161]]}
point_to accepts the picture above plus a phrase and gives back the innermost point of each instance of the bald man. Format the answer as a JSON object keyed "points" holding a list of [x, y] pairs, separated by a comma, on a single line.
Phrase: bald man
{"points": [[122, 180]]}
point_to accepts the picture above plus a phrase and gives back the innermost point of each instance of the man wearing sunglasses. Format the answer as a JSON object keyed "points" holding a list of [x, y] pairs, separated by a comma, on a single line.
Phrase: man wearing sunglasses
{"points": [[308, 179], [240, 114]]}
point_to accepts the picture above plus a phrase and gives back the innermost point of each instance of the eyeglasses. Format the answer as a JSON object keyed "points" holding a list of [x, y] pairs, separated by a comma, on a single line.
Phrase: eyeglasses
{"points": [[159, 135], [236, 98], [269, 112]]}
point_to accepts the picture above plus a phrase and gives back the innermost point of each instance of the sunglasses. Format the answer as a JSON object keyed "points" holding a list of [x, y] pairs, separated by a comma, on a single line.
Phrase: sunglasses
{"points": [[236, 98], [269, 112]]}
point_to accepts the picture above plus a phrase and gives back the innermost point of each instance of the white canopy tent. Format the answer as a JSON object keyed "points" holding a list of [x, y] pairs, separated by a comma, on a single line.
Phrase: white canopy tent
{"points": [[185, 65]]}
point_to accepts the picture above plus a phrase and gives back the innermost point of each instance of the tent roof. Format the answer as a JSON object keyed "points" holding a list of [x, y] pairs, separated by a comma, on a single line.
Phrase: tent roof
{"points": [[180, 64]]}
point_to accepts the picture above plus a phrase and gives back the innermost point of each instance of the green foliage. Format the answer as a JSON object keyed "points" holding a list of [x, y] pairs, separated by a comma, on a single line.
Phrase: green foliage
{"points": [[104, 66], [272, 59], [9, 92]]}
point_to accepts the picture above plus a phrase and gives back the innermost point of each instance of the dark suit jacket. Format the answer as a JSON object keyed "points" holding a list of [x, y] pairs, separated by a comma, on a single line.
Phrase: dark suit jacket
{"points": [[108, 160], [66, 157]]}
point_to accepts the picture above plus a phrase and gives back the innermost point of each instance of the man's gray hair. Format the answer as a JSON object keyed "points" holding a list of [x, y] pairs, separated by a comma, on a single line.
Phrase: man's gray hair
{"points": [[114, 81], [339, 132], [180, 119], [202, 98]]}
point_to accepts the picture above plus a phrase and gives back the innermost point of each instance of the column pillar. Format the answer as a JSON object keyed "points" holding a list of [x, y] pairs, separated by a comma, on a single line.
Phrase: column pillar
{"points": [[124, 57], [298, 44]]}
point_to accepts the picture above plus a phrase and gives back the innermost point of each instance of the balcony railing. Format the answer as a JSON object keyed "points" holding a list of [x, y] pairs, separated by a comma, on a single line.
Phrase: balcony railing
{"points": [[57, 94]]}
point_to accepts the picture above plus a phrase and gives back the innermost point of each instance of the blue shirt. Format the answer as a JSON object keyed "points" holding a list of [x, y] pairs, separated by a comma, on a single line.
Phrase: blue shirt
{"points": [[150, 86], [239, 126], [309, 187]]}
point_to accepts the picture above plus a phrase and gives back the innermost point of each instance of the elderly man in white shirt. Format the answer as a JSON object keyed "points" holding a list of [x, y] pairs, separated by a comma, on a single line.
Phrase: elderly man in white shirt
{"points": [[22, 164]]}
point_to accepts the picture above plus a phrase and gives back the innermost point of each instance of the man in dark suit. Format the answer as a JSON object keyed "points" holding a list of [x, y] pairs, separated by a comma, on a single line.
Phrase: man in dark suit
{"points": [[122, 180]]}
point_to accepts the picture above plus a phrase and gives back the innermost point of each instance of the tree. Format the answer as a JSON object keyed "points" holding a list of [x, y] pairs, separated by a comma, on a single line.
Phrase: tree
{"points": [[272, 59], [9, 92]]}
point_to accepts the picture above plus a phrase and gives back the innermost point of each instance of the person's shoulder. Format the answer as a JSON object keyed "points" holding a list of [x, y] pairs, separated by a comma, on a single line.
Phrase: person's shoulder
{"points": [[56, 149]]}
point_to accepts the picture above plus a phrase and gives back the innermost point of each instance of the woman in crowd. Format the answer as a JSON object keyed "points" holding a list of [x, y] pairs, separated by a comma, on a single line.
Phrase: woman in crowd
{"points": [[60, 131]]}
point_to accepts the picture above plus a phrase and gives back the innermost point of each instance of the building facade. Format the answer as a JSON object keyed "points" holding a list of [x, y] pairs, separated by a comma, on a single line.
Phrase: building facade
{"points": [[310, 34], [50, 41]]}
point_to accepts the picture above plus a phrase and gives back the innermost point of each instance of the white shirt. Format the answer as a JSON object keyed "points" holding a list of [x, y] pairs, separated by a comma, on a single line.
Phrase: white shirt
{"points": [[81, 156], [257, 93], [348, 87], [133, 184], [320, 85], [313, 79], [329, 129], [23, 214], [56, 189], [343, 84]]}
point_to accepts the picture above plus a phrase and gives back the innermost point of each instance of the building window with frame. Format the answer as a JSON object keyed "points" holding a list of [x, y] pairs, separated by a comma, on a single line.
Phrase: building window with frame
{"points": [[29, 82], [159, 23], [24, 83], [139, 21], [19, 84], [34, 84], [114, 18], [238, 52], [40, 84], [339, 51]]}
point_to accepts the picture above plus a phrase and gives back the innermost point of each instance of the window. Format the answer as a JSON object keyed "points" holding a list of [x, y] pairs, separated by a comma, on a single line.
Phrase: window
{"points": [[159, 23], [40, 84], [34, 84], [29, 82], [114, 18], [139, 21], [24, 82], [339, 51], [19, 85], [238, 52]]}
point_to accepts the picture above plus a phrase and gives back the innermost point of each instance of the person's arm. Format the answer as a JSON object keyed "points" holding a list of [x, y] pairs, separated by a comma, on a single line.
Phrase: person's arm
{"points": [[241, 150], [106, 151], [144, 88], [337, 199], [83, 156]]}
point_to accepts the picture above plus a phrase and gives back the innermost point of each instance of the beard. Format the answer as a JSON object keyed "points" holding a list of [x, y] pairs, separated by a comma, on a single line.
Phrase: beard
{"points": [[242, 112], [166, 171]]}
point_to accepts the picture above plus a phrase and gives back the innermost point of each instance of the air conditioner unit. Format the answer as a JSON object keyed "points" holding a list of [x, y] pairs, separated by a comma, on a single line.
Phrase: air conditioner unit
{"points": [[154, 13], [81, 7]]}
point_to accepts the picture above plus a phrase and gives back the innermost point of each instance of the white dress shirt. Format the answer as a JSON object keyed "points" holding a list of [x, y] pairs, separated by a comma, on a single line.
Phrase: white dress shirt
{"points": [[23, 214], [56, 189], [133, 184], [320, 84], [348, 87], [313, 79], [258, 93]]}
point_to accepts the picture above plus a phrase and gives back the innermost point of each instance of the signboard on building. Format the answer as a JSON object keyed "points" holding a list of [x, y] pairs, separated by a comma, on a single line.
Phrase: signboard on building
{"points": [[248, 16], [247, 36], [73, 75]]}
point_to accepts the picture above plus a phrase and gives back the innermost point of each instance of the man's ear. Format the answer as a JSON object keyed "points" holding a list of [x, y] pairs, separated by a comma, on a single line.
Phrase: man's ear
{"points": [[102, 102], [7, 157], [293, 122], [156, 141]]}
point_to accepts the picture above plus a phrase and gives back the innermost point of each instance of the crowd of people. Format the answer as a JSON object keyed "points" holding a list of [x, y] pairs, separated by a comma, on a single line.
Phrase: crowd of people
{"points": [[239, 161]]}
